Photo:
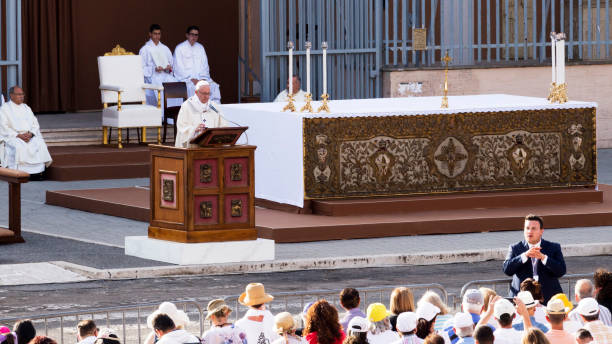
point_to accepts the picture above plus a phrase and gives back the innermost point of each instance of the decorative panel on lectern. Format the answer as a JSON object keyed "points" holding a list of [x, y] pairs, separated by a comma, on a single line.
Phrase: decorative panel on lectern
{"points": [[202, 194]]}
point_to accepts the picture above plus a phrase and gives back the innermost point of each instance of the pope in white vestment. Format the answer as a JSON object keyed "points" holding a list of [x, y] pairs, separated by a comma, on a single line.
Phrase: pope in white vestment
{"points": [[24, 147], [191, 65], [196, 114]]}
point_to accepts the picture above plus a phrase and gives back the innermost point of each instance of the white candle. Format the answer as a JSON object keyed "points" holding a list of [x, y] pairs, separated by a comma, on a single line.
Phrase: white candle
{"points": [[561, 61], [324, 47], [308, 46], [553, 47], [290, 46]]}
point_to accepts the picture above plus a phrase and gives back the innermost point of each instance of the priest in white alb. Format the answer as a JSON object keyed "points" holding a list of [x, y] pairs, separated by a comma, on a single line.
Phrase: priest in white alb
{"points": [[24, 147], [156, 63], [196, 114], [298, 94], [191, 64]]}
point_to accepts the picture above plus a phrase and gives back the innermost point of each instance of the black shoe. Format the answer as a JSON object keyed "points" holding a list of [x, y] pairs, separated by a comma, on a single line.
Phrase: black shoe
{"points": [[36, 177]]}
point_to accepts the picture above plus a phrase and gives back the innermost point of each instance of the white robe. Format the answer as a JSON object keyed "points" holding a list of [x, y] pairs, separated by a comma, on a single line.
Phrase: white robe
{"points": [[191, 62], [300, 96], [154, 56], [30, 157], [191, 115]]}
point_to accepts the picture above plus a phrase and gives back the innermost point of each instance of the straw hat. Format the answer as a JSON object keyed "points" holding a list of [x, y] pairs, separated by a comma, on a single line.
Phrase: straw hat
{"points": [[214, 306], [179, 317], [284, 322], [255, 294]]}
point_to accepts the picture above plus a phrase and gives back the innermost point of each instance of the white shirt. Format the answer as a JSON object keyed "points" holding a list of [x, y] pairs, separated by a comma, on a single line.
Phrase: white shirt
{"points": [[299, 96], [508, 336], [87, 340], [178, 337], [191, 115], [226, 334], [410, 339], [190, 62], [604, 316], [383, 338], [291, 339], [258, 323]]}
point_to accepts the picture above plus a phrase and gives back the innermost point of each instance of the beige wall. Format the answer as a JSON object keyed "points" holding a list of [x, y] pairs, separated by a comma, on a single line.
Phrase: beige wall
{"points": [[585, 83]]}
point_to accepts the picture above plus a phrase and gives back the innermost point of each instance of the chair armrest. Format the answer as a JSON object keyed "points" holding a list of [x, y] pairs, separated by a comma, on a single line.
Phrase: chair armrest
{"points": [[152, 87], [111, 88]]}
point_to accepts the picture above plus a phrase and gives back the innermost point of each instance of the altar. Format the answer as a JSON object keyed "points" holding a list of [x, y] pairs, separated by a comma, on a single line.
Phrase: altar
{"points": [[410, 146]]}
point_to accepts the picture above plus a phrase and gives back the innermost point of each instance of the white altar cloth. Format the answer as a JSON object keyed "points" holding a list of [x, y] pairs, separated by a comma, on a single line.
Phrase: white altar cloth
{"points": [[278, 135]]}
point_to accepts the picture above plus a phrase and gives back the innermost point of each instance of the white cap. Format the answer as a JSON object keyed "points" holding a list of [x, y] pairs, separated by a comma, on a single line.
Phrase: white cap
{"points": [[461, 320], [588, 307], [527, 298], [473, 296], [427, 311], [502, 307], [358, 324], [201, 83], [406, 322]]}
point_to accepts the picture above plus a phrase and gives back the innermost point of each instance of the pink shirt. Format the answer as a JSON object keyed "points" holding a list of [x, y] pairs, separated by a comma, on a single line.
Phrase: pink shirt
{"points": [[560, 337]]}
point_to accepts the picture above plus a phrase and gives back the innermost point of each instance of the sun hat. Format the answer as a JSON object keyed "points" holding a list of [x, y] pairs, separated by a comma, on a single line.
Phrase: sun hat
{"points": [[588, 307], [527, 298], [377, 312], [255, 294], [179, 317], [406, 322], [427, 311], [358, 324], [214, 306], [556, 306], [461, 320], [503, 306], [283, 322], [108, 333], [564, 299], [473, 296]]}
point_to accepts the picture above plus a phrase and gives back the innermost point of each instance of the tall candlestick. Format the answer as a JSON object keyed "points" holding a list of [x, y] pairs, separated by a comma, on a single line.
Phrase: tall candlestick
{"points": [[324, 47], [561, 61], [290, 47], [308, 46], [553, 47]]}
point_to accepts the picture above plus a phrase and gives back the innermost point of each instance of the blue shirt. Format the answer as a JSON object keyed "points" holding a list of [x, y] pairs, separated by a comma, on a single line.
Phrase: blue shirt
{"points": [[466, 340], [350, 314], [521, 327]]}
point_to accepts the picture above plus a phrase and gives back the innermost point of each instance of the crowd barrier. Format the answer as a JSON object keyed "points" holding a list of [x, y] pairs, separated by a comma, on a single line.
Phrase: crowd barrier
{"points": [[130, 321]]}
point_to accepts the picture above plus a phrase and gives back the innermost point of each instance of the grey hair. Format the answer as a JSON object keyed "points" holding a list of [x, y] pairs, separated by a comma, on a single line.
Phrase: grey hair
{"points": [[12, 89], [465, 331], [380, 326], [584, 288]]}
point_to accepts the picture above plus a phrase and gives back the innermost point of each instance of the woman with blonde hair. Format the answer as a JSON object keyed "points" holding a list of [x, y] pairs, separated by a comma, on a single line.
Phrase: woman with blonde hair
{"points": [[285, 327], [221, 330], [434, 299], [535, 336], [401, 301]]}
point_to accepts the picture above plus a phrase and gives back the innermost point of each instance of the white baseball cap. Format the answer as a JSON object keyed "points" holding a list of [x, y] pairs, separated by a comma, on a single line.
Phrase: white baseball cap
{"points": [[461, 320], [358, 324], [503, 306], [406, 322], [527, 299], [427, 311], [473, 296], [588, 307]]}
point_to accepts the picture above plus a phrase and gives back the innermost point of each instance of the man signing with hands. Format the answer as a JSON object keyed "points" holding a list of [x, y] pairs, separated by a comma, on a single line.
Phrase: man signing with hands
{"points": [[536, 258]]}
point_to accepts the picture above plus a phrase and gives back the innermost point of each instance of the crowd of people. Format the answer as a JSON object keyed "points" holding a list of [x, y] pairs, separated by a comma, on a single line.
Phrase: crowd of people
{"points": [[484, 317]]}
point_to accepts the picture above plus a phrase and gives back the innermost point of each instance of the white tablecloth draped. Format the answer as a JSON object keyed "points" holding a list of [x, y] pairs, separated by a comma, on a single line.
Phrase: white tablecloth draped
{"points": [[279, 141]]}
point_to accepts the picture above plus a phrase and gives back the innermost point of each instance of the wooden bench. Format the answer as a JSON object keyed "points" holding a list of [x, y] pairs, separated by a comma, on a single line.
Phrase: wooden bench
{"points": [[14, 178]]}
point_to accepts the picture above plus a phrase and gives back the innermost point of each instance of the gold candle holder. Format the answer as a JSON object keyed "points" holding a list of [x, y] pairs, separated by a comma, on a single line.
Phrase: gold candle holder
{"points": [[324, 105], [558, 93], [446, 59], [307, 107], [290, 106]]}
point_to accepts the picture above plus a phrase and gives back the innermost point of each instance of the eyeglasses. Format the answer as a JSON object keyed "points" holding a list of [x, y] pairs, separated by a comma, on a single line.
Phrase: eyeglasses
{"points": [[204, 94], [194, 34]]}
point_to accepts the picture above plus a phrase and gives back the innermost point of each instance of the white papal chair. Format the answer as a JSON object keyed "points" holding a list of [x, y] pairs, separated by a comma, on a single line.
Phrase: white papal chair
{"points": [[122, 84]]}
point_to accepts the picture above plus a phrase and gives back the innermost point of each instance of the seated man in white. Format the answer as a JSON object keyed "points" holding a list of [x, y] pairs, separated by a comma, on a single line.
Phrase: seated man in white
{"points": [[191, 64], [298, 93], [196, 114], [156, 63], [25, 149]]}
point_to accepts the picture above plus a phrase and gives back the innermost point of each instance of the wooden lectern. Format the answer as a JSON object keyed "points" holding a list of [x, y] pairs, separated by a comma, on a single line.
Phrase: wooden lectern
{"points": [[203, 194]]}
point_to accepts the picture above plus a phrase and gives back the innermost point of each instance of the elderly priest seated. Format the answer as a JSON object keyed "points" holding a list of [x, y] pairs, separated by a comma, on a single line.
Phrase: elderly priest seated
{"points": [[25, 148], [197, 113]]}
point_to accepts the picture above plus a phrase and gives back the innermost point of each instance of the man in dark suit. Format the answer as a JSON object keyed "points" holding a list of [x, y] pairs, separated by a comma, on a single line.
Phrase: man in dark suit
{"points": [[537, 258]]}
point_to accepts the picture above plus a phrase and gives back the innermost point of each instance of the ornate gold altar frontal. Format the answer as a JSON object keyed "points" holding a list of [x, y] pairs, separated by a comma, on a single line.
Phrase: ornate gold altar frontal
{"points": [[481, 151]]}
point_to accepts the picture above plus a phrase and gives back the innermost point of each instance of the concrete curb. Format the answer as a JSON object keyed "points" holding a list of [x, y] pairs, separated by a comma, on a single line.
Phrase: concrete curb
{"points": [[425, 258]]}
